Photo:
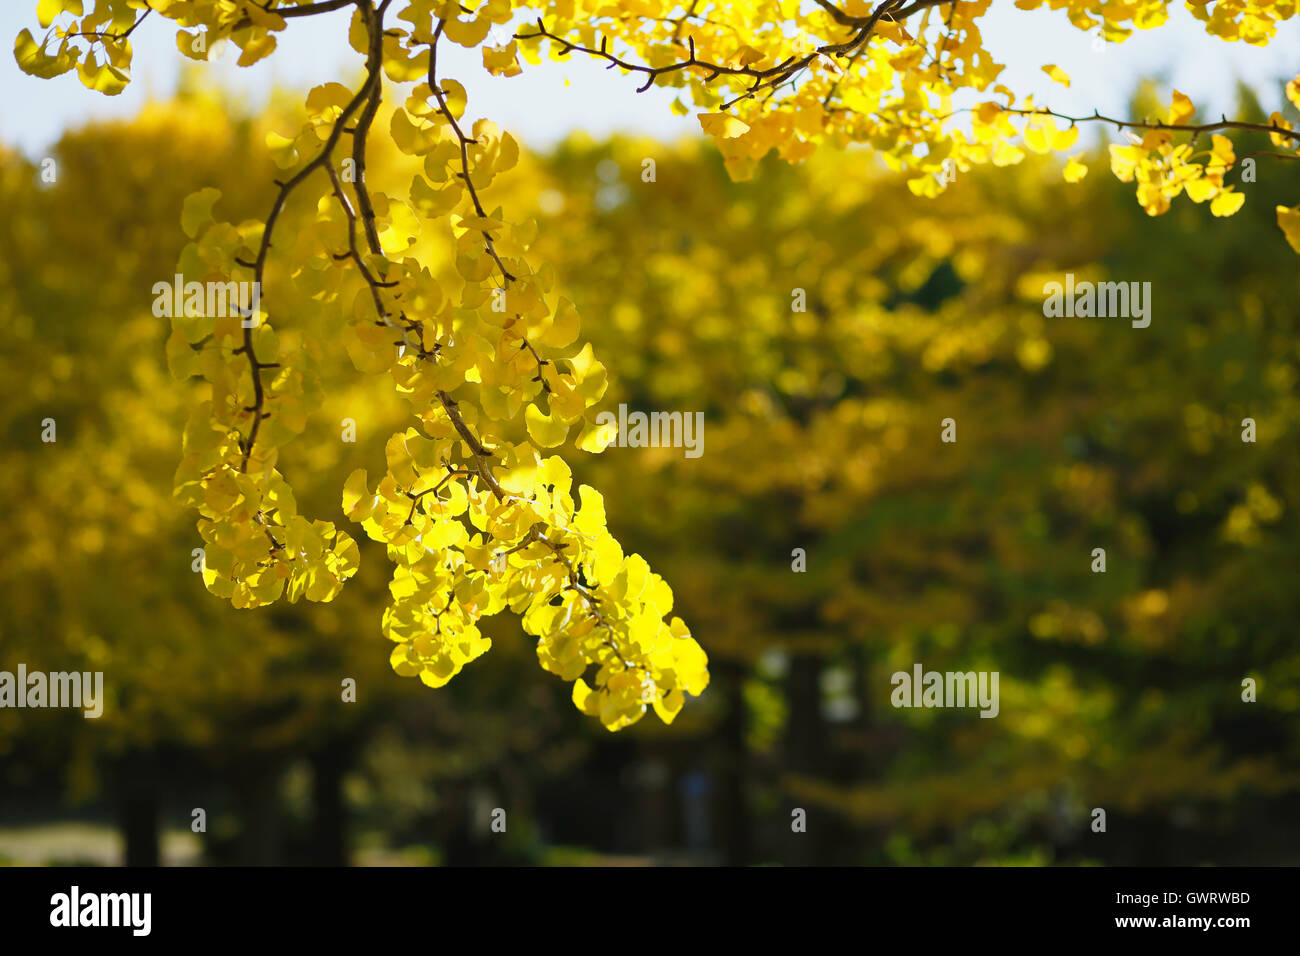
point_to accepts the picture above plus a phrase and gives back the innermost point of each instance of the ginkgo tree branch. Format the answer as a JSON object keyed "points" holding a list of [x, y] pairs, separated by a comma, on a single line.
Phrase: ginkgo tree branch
{"points": [[838, 15], [1195, 128], [770, 77], [654, 72], [846, 19], [104, 35], [464, 142], [308, 9], [373, 90], [475, 445], [374, 67], [371, 93], [321, 160], [304, 10]]}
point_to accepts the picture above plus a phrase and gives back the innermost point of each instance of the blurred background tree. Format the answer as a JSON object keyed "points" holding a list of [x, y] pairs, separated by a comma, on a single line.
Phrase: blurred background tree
{"points": [[1119, 690]]}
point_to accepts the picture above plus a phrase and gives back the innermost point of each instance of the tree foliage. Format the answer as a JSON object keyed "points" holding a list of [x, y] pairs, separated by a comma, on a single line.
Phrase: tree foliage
{"points": [[476, 511], [1119, 689]]}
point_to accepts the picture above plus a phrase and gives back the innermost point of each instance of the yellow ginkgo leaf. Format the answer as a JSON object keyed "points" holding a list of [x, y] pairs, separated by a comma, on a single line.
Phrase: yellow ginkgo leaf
{"points": [[1222, 155], [722, 125], [47, 10], [1288, 221], [358, 502], [196, 210], [1276, 119], [256, 49], [1124, 161], [1227, 202], [746, 55], [468, 33], [926, 186], [546, 430], [402, 230], [501, 61], [102, 78], [668, 706], [1065, 138], [585, 699], [283, 150], [453, 94], [1181, 110], [564, 326], [1200, 189], [1057, 74], [595, 438]]}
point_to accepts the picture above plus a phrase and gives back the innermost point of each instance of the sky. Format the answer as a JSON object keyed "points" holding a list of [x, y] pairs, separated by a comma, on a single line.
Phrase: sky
{"points": [[540, 109]]}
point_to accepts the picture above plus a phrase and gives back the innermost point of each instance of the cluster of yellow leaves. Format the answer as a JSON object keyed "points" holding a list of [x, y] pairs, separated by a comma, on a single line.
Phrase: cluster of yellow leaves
{"points": [[1254, 21], [474, 517], [868, 92], [103, 58], [894, 88], [462, 552], [1288, 219], [106, 69], [474, 532], [257, 546], [892, 84], [1115, 20], [250, 26], [492, 367], [1163, 169]]}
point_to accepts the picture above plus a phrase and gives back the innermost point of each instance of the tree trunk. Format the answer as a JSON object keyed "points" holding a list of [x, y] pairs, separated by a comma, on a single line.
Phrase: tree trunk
{"points": [[255, 803], [804, 750], [733, 822], [139, 821], [139, 790], [329, 837]]}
